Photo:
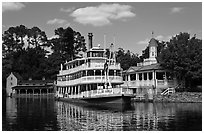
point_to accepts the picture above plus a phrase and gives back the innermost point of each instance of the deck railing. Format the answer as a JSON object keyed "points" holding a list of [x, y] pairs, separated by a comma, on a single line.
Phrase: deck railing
{"points": [[101, 92], [90, 79], [168, 91], [85, 66]]}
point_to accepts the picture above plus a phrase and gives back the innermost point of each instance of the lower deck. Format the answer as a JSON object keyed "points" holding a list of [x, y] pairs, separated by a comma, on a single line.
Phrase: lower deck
{"points": [[111, 99], [115, 95]]}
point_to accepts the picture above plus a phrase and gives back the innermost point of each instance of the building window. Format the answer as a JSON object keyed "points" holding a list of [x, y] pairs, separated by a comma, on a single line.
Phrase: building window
{"points": [[152, 53], [11, 78], [140, 76], [11, 83], [150, 75], [145, 76], [160, 75], [132, 77]]}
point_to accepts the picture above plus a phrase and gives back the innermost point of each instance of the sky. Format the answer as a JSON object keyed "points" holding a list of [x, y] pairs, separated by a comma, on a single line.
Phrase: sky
{"points": [[130, 24]]}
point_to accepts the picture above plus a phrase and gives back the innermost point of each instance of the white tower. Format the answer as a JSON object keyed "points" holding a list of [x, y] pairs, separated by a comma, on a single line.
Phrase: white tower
{"points": [[153, 48], [152, 53]]}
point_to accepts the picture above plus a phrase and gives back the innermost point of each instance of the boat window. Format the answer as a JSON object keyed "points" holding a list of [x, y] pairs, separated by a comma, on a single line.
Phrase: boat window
{"points": [[118, 73], [63, 78], [81, 62], [145, 76], [90, 73], [98, 72], [83, 73], [94, 87], [103, 72], [111, 72], [59, 78]]}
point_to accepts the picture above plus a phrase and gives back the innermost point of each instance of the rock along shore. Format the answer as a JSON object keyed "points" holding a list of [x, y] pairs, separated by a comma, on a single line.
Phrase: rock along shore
{"points": [[182, 97]]}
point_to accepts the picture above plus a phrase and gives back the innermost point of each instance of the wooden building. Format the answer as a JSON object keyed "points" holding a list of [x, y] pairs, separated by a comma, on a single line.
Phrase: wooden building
{"points": [[149, 76], [16, 86]]}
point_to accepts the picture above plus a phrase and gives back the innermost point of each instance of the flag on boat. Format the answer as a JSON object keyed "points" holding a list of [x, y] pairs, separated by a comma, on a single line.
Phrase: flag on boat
{"points": [[106, 67]]}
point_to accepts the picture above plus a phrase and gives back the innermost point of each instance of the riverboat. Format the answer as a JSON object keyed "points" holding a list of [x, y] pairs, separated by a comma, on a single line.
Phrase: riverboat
{"points": [[94, 78]]}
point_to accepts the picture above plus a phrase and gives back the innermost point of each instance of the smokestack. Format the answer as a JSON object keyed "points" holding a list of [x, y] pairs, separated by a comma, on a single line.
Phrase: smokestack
{"points": [[90, 35]]}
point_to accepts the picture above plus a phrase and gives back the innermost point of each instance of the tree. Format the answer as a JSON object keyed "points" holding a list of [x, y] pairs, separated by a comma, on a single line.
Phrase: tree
{"points": [[19, 57], [183, 55], [66, 47], [126, 59], [13, 39], [69, 43]]}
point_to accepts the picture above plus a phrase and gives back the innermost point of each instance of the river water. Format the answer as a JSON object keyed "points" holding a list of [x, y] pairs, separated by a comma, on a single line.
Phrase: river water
{"points": [[44, 114]]}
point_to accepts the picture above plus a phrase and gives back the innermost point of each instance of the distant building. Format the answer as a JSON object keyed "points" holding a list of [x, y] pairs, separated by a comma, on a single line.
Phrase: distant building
{"points": [[148, 74], [16, 86], [11, 81]]}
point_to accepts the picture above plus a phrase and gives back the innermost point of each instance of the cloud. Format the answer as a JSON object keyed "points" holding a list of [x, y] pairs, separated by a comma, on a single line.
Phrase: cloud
{"points": [[146, 41], [176, 9], [159, 37], [61, 22], [56, 21], [67, 10], [102, 14], [12, 6]]}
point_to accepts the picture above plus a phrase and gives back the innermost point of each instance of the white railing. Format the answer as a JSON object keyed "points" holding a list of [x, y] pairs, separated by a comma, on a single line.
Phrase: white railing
{"points": [[140, 83], [87, 66], [90, 79], [101, 92], [168, 91]]}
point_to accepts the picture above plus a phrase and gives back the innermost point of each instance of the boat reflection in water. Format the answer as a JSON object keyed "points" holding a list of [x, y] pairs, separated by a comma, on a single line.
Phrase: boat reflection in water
{"points": [[138, 116], [92, 117]]}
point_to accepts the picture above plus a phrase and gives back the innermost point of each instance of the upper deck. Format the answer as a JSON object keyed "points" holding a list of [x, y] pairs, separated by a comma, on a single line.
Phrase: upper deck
{"points": [[94, 60]]}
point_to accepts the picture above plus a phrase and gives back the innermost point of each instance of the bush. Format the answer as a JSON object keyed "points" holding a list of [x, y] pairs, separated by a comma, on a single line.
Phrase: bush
{"points": [[193, 89]]}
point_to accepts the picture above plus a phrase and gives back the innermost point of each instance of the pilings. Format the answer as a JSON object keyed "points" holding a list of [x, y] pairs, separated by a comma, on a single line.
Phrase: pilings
{"points": [[33, 92]]}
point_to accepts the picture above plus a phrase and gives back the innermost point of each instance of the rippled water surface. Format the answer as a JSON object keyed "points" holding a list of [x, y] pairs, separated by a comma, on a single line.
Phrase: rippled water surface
{"points": [[32, 114]]}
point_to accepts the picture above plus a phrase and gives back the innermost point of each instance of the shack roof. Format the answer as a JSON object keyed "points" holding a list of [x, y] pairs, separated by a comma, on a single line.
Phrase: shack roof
{"points": [[32, 87], [17, 75], [36, 81], [155, 66]]}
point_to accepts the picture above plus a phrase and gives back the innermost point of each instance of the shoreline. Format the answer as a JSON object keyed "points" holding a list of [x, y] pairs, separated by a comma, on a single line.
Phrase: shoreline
{"points": [[178, 97]]}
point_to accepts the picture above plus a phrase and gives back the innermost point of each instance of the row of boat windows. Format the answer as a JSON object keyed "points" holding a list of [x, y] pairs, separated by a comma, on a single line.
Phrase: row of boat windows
{"points": [[80, 88], [88, 73], [149, 76], [95, 54], [81, 62]]}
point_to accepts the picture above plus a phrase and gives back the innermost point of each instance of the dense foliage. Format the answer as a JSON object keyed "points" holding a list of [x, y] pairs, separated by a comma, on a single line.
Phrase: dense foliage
{"points": [[183, 56], [31, 54], [127, 59]]}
